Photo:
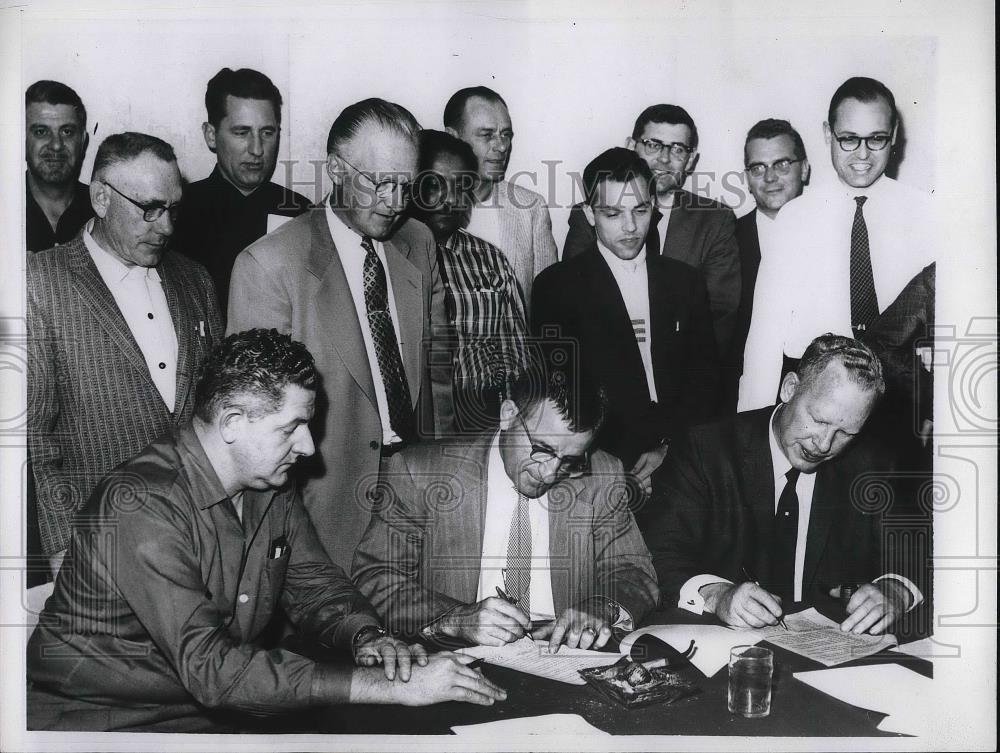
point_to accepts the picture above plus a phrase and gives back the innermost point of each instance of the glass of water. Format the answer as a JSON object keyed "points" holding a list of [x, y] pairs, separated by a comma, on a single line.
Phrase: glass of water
{"points": [[750, 670]]}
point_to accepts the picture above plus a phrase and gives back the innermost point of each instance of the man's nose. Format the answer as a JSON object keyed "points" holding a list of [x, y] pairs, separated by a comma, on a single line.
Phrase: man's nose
{"points": [[770, 174], [164, 224], [862, 150], [256, 146], [628, 222], [824, 440], [304, 445]]}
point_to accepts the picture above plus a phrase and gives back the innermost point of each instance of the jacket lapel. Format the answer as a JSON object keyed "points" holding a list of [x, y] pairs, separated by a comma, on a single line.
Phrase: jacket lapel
{"points": [[185, 328], [653, 242], [408, 295], [607, 303], [463, 549], [661, 320], [758, 486], [821, 513]]}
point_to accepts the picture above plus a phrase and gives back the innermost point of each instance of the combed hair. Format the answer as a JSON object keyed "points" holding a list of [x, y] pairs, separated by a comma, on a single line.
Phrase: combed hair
{"points": [[551, 375], [864, 90], [246, 83], [435, 143], [250, 370], [618, 165], [125, 147], [454, 111], [56, 93], [862, 365], [671, 114], [387, 115], [772, 128]]}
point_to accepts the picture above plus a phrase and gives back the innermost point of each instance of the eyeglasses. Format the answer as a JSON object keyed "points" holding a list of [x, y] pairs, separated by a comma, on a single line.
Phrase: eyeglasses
{"points": [[570, 466], [781, 167], [386, 188], [153, 211], [874, 143], [654, 148]]}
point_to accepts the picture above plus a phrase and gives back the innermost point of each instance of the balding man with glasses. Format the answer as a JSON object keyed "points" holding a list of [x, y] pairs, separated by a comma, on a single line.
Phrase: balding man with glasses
{"points": [[118, 325]]}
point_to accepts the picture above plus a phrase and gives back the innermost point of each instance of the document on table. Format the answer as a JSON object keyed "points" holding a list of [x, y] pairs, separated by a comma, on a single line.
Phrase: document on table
{"points": [[534, 658], [557, 725], [819, 638], [712, 642]]}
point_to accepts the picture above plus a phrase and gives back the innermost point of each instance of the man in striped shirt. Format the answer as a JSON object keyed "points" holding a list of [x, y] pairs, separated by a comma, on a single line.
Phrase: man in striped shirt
{"points": [[483, 300]]}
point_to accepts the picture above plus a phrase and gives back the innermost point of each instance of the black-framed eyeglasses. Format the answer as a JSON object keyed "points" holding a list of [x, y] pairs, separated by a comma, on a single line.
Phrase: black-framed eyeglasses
{"points": [[384, 189], [781, 167], [570, 466], [874, 143], [654, 147], [153, 211]]}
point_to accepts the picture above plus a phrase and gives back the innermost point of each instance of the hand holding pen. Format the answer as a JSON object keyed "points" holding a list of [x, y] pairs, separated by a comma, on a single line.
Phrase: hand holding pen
{"points": [[749, 577]]}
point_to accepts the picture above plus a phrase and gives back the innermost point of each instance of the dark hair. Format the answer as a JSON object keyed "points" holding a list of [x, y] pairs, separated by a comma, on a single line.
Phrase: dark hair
{"points": [[454, 111], [251, 369], [618, 165], [864, 90], [862, 365], [549, 375], [672, 114], [435, 143], [124, 147], [246, 83], [387, 115], [772, 128], [56, 93]]}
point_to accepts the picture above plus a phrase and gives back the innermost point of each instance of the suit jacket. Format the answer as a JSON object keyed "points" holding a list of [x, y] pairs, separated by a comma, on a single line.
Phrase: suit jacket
{"points": [[525, 232], [293, 280], [580, 300], [749, 245], [701, 233], [92, 403], [714, 511], [422, 552]]}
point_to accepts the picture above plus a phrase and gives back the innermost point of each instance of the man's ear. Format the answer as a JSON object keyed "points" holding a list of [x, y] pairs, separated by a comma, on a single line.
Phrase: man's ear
{"points": [[334, 169], [788, 386], [100, 197], [452, 132], [827, 133], [508, 412], [86, 143], [895, 132], [229, 423], [588, 212], [806, 172], [631, 143], [208, 131], [692, 161]]}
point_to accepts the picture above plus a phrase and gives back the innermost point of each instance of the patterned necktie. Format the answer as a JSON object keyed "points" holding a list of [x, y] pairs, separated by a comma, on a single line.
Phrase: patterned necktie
{"points": [[390, 364], [517, 580], [786, 531], [864, 300]]}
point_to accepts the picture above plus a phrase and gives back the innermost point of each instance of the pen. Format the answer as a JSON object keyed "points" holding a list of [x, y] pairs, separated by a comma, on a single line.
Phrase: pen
{"points": [[749, 577], [505, 597]]}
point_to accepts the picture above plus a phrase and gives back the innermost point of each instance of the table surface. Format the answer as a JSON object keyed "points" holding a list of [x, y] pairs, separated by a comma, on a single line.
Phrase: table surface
{"points": [[797, 710]]}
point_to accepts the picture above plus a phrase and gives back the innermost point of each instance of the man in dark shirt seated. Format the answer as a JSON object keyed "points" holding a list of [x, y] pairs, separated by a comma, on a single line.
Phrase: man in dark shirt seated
{"points": [[237, 203], [184, 553], [57, 204]]}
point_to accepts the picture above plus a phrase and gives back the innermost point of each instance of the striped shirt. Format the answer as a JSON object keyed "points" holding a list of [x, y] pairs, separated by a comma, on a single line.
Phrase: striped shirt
{"points": [[485, 311]]}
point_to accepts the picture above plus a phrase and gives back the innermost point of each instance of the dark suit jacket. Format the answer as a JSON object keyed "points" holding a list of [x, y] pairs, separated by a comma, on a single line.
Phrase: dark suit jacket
{"points": [[749, 245], [422, 552], [293, 280], [701, 233], [714, 512], [580, 299], [91, 401]]}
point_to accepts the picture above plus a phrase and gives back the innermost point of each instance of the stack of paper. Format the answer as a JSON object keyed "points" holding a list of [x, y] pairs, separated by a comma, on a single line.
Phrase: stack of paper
{"points": [[534, 658], [819, 638], [557, 725]]}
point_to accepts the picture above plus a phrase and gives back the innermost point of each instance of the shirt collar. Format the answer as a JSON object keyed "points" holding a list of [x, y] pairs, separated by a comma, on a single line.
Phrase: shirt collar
{"points": [[344, 236], [628, 265], [112, 268], [208, 486], [779, 463]]}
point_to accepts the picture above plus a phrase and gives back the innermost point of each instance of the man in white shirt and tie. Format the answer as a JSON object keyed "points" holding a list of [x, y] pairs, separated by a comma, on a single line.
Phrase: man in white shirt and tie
{"points": [[520, 531]]}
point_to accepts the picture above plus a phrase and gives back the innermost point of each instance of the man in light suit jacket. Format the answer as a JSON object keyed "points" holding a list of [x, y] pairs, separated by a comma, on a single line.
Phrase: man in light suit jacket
{"points": [[510, 532], [359, 285], [690, 228], [117, 327], [513, 218], [774, 506]]}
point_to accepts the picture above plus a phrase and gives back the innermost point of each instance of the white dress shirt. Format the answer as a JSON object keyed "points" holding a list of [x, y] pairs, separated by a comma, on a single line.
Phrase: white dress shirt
{"points": [[803, 285], [633, 283], [485, 222], [352, 257], [501, 504], [140, 298]]}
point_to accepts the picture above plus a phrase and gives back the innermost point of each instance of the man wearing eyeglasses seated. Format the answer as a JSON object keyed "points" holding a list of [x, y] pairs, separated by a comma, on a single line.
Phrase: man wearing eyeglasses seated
{"points": [[845, 250], [357, 282], [517, 532], [118, 325], [685, 226]]}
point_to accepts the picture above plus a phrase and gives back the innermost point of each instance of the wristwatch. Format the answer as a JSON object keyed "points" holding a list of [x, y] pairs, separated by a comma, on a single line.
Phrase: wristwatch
{"points": [[365, 634]]}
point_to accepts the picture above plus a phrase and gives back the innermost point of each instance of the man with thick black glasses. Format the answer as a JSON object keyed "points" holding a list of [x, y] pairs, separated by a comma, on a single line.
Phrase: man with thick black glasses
{"points": [[521, 532], [118, 325]]}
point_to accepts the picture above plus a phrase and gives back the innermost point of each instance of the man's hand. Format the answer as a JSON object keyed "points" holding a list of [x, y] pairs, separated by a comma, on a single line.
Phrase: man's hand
{"points": [[490, 622], [746, 605], [647, 463], [575, 628], [390, 653], [447, 677], [875, 606]]}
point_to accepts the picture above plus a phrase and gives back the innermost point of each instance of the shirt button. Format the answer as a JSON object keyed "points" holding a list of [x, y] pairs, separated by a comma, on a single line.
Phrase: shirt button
{"points": [[162, 365], [243, 599], [373, 444], [150, 315]]}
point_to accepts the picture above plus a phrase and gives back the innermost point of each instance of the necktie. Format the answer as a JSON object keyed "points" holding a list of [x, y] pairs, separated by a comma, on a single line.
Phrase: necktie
{"points": [[390, 364], [517, 580], [864, 300], [786, 530]]}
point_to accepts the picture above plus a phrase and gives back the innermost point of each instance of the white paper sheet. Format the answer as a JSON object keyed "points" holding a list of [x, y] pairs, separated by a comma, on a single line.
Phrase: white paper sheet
{"points": [[557, 725], [534, 658], [713, 642], [819, 638]]}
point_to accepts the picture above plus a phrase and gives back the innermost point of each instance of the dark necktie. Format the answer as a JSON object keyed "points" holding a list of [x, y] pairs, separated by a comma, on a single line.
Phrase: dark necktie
{"points": [[517, 580], [786, 530], [390, 365], [864, 300]]}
